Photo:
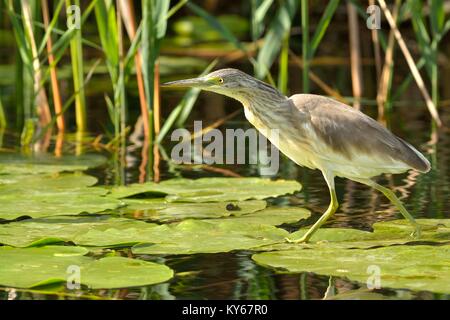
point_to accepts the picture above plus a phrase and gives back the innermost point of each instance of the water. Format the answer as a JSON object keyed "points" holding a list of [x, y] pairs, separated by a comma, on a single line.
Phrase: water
{"points": [[235, 276]]}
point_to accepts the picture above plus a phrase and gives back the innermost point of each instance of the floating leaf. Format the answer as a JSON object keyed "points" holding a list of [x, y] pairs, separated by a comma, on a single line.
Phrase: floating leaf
{"points": [[33, 267], [161, 210], [385, 234], [417, 267], [189, 236], [203, 236], [47, 195], [211, 189], [18, 164], [273, 216], [37, 232], [119, 272], [45, 182]]}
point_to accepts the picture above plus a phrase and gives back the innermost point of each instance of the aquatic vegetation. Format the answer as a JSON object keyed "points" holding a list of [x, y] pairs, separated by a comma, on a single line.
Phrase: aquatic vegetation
{"points": [[27, 268], [418, 267], [210, 189], [47, 195], [185, 216], [53, 214], [223, 235], [13, 163], [159, 209]]}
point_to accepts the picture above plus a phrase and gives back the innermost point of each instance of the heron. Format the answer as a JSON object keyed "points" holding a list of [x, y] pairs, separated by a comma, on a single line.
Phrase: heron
{"points": [[321, 133]]}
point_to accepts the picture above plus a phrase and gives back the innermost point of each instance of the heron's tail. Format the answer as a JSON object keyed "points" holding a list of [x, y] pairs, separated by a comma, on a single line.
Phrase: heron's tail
{"points": [[416, 159]]}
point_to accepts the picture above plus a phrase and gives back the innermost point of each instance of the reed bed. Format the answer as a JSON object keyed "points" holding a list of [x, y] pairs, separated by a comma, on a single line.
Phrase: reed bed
{"points": [[130, 37]]}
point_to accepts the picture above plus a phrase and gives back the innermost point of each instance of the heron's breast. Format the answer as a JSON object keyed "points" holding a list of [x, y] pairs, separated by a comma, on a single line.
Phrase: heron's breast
{"points": [[287, 138]]}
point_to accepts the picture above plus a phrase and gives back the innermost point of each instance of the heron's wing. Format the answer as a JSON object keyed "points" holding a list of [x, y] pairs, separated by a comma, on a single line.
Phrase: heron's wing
{"points": [[347, 134]]}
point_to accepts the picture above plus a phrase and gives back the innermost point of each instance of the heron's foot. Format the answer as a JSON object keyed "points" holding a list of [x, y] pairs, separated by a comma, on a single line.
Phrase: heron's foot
{"points": [[301, 240]]}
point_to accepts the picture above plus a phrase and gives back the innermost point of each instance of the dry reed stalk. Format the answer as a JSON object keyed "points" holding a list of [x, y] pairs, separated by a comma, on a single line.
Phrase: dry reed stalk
{"points": [[376, 47], [385, 77], [409, 59], [129, 20], [57, 101], [355, 55]]}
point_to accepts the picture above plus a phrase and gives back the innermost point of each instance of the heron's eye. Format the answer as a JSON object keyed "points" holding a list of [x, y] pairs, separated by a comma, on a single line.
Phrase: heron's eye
{"points": [[220, 80]]}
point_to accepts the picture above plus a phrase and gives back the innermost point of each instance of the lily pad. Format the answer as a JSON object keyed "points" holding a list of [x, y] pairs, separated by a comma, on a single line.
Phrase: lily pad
{"points": [[45, 182], [44, 231], [211, 189], [273, 216], [33, 267], [418, 267], [18, 164], [161, 210], [202, 236], [385, 234], [189, 236], [48, 195]]}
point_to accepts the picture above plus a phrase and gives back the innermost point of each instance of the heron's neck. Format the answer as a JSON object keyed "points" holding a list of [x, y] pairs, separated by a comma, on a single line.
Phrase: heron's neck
{"points": [[264, 108], [261, 100]]}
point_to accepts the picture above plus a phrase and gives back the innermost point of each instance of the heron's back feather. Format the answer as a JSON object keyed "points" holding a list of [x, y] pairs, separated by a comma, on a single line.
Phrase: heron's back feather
{"points": [[353, 135]]}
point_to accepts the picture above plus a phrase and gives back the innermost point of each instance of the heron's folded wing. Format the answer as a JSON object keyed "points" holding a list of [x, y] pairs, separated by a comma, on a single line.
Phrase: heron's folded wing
{"points": [[349, 135]]}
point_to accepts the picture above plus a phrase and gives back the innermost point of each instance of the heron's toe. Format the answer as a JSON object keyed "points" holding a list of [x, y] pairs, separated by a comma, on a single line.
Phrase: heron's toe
{"points": [[301, 240]]}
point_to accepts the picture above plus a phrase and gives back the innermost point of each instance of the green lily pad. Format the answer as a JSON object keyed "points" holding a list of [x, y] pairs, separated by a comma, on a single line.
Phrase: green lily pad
{"points": [[161, 210], [18, 164], [211, 189], [273, 216], [45, 182], [44, 231], [385, 234], [435, 230], [203, 236], [189, 236], [48, 195], [418, 267], [33, 267]]}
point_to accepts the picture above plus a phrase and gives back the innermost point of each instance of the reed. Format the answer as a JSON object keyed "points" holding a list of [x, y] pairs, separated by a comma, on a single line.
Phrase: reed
{"points": [[43, 49], [409, 59], [3, 121], [57, 101], [305, 44], [128, 16], [355, 55], [154, 22], [283, 73], [277, 31], [76, 53]]}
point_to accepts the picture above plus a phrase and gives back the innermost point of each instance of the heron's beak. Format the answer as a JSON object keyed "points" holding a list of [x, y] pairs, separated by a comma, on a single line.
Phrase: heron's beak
{"points": [[188, 83]]}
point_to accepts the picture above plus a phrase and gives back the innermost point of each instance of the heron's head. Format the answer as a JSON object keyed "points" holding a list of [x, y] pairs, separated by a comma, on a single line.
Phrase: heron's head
{"points": [[230, 82]]}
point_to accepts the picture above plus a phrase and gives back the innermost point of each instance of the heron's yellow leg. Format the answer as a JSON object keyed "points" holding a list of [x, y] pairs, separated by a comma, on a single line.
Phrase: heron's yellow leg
{"points": [[396, 201], [329, 178]]}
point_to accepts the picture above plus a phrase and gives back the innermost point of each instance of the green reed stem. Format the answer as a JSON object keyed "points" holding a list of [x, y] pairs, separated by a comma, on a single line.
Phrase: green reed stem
{"points": [[284, 66], [305, 44], [3, 121], [76, 52]]}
